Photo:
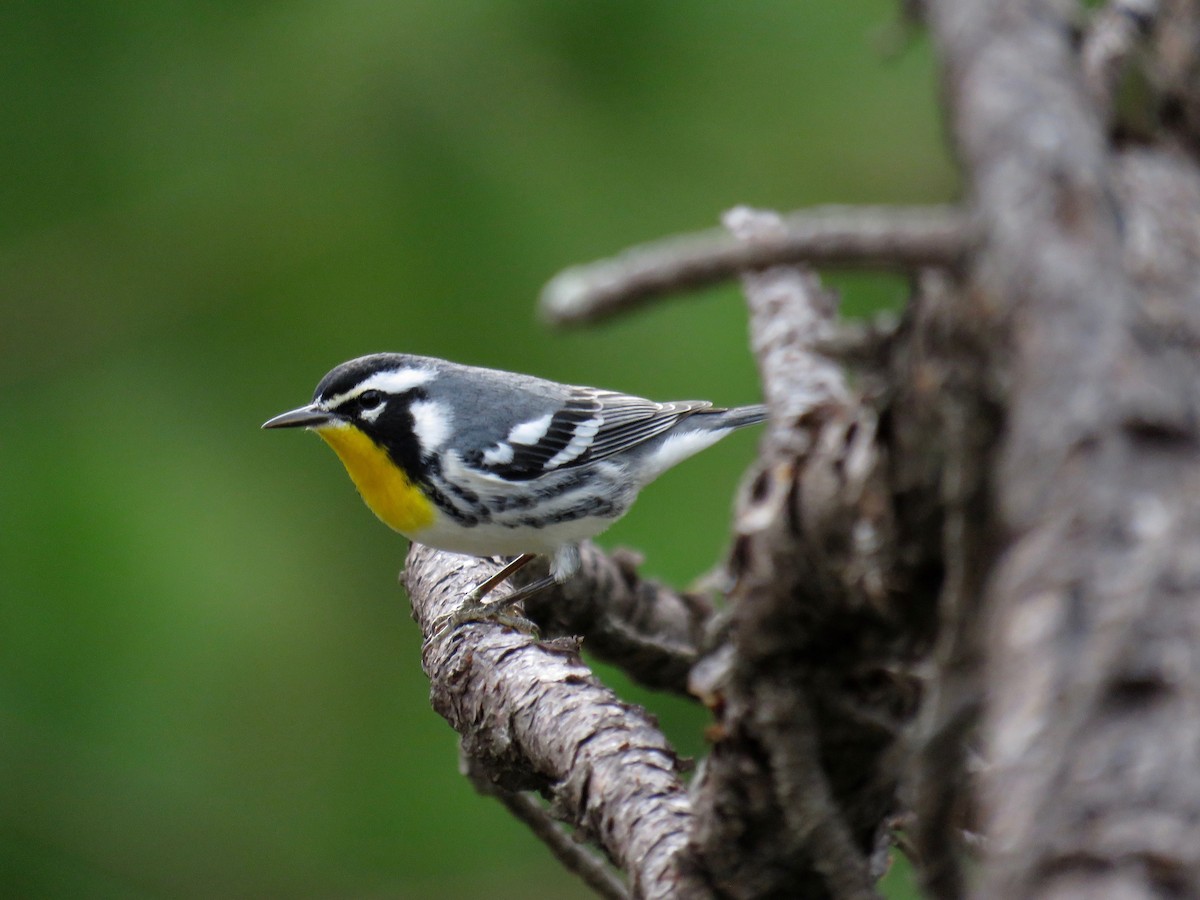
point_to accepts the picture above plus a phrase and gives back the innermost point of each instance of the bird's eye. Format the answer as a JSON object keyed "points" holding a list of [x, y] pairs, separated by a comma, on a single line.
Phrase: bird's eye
{"points": [[370, 399]]}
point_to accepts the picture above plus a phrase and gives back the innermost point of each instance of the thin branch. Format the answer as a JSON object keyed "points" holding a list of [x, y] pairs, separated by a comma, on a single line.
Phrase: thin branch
{"points": [[534, 717], [884, 238], [574, 856]]}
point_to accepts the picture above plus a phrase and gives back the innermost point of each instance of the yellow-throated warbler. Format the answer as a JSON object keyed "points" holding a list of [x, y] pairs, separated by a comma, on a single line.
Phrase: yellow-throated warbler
{"points": [[485, 462]]}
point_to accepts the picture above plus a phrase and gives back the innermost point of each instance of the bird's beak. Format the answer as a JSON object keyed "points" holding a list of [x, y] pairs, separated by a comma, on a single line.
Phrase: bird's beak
{"points": [[304, 417]]}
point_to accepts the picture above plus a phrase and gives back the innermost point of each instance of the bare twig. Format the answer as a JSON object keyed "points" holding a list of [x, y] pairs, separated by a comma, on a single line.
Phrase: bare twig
{"points": [[534, 717], [574, 856], [888, 238]]}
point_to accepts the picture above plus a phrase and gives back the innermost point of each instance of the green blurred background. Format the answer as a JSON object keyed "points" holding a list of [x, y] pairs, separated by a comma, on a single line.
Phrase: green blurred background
{"points": [[209, 680]]}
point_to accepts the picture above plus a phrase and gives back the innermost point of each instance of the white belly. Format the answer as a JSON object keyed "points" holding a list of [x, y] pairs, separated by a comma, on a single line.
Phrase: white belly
{"points": [[490, 539]]}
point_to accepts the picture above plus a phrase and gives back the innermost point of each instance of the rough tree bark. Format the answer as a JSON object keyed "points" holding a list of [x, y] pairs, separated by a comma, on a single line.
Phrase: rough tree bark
{"points": [[965, 583], [1089, 273]]}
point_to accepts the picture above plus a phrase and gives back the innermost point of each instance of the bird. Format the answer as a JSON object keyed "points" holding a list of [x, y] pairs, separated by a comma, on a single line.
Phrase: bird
{"points": [[493, 463]]}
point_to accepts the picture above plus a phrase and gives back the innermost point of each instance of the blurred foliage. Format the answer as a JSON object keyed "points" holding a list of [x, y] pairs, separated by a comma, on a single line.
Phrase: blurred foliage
{"points": [[209, 681]]}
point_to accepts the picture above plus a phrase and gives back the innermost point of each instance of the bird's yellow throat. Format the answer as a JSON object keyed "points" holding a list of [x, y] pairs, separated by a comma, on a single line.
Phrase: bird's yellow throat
{"points": [[382, 484]]}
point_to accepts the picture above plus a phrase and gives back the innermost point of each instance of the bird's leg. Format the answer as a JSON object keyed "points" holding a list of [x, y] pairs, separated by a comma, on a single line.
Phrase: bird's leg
{"points": [[484, 588], [475, 610], [520, 594], [563, 565]]}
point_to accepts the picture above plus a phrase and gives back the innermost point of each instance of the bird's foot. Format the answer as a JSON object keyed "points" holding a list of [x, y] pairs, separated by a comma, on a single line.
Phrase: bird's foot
{"points": [[474, 611]]}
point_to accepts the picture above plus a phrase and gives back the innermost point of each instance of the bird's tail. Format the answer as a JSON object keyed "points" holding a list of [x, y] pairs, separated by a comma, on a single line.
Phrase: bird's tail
{"points": [[696, 429], [733, 418]]}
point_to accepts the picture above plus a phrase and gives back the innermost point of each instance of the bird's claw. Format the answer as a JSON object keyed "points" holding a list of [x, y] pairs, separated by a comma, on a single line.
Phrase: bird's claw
{"points": [[474, 611]]}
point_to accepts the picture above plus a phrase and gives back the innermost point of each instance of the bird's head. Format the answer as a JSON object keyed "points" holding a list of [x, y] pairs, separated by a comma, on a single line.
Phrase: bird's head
{"points": [[373, 394], [374, 412]]}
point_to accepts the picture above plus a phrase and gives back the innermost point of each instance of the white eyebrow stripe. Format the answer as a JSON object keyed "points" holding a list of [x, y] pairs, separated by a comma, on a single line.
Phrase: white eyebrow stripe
{"points": [[529, 433], [392, 381], [431, 424], [396, 381]]}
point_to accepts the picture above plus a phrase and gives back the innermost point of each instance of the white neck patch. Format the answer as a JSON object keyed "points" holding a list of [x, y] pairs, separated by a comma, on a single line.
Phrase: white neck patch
{"points": [[431, 424]]}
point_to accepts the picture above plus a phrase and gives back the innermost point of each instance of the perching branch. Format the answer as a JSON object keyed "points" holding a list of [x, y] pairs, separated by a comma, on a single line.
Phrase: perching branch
{"points": [[887, 238], [533, 717]]}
